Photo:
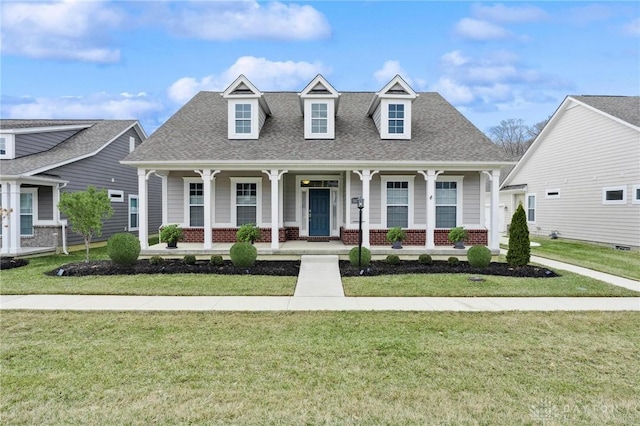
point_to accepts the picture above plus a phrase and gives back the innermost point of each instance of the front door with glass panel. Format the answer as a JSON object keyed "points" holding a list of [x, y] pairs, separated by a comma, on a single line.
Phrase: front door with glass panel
{"points": [[319, 212]]}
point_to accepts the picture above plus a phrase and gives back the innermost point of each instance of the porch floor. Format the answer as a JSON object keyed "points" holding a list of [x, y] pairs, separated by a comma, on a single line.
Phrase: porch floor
{"points": [[295, 249], [30, 251]]}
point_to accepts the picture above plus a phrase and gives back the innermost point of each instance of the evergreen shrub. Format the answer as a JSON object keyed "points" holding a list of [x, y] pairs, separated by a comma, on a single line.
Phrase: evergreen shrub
{"points": [[123, 248], [243, 254], [479, 256], [519, 252], [365, 257]]}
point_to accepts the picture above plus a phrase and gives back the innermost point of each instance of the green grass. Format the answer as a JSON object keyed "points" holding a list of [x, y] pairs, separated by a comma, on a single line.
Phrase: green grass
{"points": [[31, 280], [597, 257], [331, 368], [459, 285]]}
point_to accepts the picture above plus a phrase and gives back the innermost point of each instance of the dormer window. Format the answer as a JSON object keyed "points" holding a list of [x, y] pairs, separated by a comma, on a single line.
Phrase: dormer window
{"points": [[247, 109], [7, 146], [319, 105], [396, 118], [243, 118], [319, 118], [390, 109]]}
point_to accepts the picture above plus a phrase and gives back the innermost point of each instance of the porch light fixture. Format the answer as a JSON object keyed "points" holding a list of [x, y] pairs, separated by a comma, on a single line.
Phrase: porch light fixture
{"points": [[306, 182]]}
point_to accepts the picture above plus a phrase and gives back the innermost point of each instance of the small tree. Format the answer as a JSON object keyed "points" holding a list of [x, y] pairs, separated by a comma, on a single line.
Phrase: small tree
{"points": [[519, 251], [86, 210]]}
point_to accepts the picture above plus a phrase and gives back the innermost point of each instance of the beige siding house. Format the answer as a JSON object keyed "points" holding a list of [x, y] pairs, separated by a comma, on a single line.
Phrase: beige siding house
{"points": [[296, 164], [581, 176]]}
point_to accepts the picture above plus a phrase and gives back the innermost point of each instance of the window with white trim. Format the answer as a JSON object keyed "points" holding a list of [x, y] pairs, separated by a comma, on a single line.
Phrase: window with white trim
{"points": [[614, 195], [243, 118], [397, 204], [246, 203], [3, 146], [396, 118], [447, 197], [7, 146], [28, 199], [319, 118], [531, 208], [635, 197], [134, 214], [116, 196], [132, 143], [196, 204]]}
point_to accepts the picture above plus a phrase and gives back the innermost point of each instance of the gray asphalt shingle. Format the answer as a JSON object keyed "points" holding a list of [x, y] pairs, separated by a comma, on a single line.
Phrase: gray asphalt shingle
{"points": [[198, 131]]}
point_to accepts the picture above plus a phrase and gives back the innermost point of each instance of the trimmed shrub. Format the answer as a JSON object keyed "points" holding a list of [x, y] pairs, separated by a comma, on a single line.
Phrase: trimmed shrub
{"points": [[156, 260], [243, 254], [425, 259], [393, 259], [453, 261], [216, 260], [479, 256], [123, 248], [519, 251], [189, 259], [365, 257]]}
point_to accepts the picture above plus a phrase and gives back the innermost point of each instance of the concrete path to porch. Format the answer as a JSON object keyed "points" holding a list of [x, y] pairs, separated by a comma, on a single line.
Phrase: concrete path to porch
{"points": [[319, 277]]}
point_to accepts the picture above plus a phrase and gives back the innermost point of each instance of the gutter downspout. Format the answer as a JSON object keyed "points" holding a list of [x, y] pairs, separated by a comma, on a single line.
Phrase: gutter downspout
{"points": [[62, 223]]}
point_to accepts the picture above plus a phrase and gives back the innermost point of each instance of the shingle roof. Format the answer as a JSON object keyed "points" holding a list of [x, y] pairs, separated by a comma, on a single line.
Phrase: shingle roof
{"points": [[28, 124], [198, 131], [626, 108], [83, 143]]}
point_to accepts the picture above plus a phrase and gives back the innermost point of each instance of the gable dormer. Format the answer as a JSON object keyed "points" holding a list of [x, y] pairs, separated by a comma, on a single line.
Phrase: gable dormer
{"points": [[319, 105], [390, 109], [247, 109]]}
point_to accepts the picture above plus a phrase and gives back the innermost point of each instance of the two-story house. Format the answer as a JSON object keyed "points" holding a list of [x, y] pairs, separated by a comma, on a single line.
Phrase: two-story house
{"points": [[39, 159], [296, 163]]}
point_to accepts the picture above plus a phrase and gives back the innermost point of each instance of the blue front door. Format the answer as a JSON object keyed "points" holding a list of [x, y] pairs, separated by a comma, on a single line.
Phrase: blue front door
{"points": [[319, 224]]}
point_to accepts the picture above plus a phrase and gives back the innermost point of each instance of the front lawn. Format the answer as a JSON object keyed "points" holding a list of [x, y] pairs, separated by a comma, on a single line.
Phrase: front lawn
{"points": [[459, 285], [597, 257], [30, 279], [401, 368]]}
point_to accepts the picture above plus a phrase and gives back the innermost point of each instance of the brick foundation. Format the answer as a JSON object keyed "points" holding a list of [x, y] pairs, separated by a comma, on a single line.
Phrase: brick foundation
{"points": [[415, 237], [227, 235]]}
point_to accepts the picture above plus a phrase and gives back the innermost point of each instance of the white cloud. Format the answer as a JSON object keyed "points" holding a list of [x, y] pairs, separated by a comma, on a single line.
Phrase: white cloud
{"points": [[95, 106], [632, 28], [68, 30], [455, 58], [389, 70], [453, 91], [246, 20], [502, 13], [480, 30], [264, 74]]}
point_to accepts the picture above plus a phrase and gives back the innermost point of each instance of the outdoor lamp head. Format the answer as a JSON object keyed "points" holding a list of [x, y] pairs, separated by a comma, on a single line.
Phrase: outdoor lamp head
{"points": [[360, 202]]}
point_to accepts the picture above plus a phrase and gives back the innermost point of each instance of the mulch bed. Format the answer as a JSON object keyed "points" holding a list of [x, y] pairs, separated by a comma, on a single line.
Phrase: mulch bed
{"points": [[291, 268], [443, 267], [11, 262]]}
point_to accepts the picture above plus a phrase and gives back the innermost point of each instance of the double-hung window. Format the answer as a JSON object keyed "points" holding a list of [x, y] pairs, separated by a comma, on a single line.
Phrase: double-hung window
{"points": [[196, 204], [3, 146], [26, 212], [319, 118], [531, 208], [243, 118], [133, 213], [397, 204], [246, 203], [396, 118], [447, 204]]}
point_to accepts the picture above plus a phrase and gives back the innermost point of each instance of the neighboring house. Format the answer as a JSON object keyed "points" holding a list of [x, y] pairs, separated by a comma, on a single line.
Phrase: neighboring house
{"points": [[39, 159], [296, 163], [581, 176]]}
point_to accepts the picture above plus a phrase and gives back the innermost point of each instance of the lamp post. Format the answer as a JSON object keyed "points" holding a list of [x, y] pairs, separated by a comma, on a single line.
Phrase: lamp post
{"points": [[360, 207]]}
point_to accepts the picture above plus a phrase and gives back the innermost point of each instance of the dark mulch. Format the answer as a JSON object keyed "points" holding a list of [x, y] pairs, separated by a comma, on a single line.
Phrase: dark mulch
{"points": [[10, 262], [443, 267], [176, 266], [291, 268]]}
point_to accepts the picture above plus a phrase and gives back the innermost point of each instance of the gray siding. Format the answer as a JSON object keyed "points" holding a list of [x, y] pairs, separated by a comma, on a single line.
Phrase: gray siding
{"points": [[32, 143], [375, 206], [580, 155], [471, 199], [420, 201], [45, 203], [289, 197], [223, 199], [103, 170], [356, 191]]}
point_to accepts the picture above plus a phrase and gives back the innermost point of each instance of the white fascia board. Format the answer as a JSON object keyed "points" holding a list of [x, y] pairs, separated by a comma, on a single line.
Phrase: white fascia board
{"points": [[31, 179], [47, 129]]}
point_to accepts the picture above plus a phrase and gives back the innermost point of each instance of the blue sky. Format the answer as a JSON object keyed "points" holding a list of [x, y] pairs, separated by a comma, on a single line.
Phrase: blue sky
{"points": [[145, 59]]}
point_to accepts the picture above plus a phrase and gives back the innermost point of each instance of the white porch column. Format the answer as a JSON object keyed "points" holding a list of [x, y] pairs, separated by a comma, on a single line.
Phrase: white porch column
{"points": [[164, 196], [6, 232], [494, 239], [14, 217], [274, 177], [206, 180], [365, 178], [483, 220], [430, 176], [143, 219]]}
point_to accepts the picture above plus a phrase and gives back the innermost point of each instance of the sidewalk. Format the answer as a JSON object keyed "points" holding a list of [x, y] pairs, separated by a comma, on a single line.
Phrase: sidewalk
{"points": [[296, 303]]}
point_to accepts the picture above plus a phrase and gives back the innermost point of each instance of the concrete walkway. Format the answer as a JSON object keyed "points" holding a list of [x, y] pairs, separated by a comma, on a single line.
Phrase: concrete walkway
{"points": [[298, 303], [319, 277]]}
